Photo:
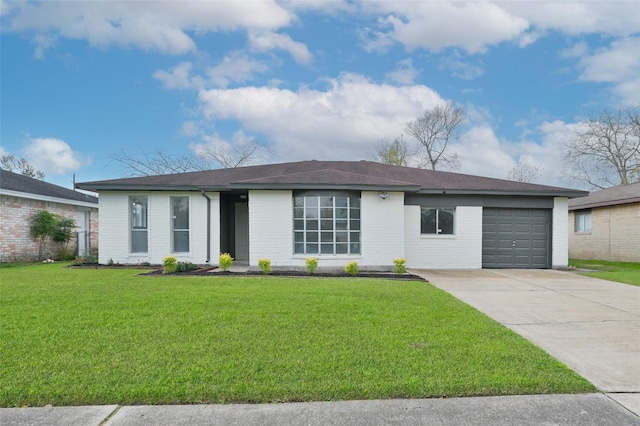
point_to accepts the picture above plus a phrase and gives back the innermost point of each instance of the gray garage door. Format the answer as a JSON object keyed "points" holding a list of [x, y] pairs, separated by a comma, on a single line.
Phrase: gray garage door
{"points": [[516, 238]]}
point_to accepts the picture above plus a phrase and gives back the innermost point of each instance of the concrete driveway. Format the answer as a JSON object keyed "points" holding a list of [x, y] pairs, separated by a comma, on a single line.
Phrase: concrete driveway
{"points": [[591, 325]]}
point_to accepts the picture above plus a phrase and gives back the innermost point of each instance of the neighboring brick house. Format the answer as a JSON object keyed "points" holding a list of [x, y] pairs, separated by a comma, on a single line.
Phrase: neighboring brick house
{"points": [[21, 197], [336, 211], [605, 225]]}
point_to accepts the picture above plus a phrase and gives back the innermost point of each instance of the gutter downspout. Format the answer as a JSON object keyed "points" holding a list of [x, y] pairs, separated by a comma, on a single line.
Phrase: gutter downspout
{"points": [[208, 226]]}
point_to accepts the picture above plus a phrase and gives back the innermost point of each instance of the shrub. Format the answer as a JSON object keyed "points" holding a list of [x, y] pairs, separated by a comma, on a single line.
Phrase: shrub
{"points": [[225, 261], [265, 265], [170, 265], [312, 264], [185, 266], [110, 262], [351, 268], [399, 267]]}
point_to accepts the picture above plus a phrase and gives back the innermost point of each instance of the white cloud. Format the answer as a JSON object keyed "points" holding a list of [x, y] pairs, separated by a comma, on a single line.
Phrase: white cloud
{"points": [[178, 78], [578, 50], [482, 154], [405, 73], [159, 25], [42, 42], [471, 26], [52, 155], [265, 41], [619, 65], [342, 122], [460, 69], [618, 18], [235, 67]]}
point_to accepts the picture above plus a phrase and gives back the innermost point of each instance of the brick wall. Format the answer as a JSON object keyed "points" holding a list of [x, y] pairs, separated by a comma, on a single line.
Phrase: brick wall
{"points": [[614, 236], [460, 251], [116, 235], [271, 232], [16, 242], [559, 241]]}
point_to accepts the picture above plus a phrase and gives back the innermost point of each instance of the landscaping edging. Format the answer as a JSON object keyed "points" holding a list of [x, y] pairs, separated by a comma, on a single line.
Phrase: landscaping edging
{"points": [[207, 272]]}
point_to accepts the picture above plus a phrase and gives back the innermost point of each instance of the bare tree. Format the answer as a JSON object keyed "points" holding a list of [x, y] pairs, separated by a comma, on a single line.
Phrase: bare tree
{"points": [[524, 171], [393, 152], [20, 165], [207, 157], [433, 131], [158, 162], [231, 156], [605, 149]]}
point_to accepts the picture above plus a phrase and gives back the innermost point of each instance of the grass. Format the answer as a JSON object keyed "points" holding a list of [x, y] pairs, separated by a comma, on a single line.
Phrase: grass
{"points": [[624, 272], [75, 337]]}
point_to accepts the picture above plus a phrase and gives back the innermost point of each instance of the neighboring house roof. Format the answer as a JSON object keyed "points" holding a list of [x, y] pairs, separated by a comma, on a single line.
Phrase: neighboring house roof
{"points": [[621, 194], [24, 186], [355, 175]]}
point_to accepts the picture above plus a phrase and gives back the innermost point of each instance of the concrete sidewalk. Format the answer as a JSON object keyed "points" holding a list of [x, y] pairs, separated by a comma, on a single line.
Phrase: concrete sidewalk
{"points": [[569, 410]]}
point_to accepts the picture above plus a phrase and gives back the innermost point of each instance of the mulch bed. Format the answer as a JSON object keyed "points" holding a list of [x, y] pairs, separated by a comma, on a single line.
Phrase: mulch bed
{"points": [[208, 272]]}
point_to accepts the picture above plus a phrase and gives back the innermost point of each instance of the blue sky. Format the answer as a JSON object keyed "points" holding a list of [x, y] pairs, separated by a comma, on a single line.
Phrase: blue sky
{"points": [[82, 81]]}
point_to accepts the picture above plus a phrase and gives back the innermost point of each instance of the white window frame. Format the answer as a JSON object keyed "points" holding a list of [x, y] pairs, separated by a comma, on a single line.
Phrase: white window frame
{"points": [[439, 229], [582, 222], [138, 221], [305, 213], [174, 230]]}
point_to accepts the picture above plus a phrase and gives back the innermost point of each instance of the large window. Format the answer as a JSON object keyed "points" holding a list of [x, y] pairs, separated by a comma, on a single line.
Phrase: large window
{"points": [[180, 224], [583, 221], [139, 241], [437, 221], [326, 224]]}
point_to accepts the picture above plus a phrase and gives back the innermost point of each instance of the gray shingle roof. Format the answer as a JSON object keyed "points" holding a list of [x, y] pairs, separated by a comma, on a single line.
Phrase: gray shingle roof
{"points": [[331, 174], [19, 183], [621, 194]]}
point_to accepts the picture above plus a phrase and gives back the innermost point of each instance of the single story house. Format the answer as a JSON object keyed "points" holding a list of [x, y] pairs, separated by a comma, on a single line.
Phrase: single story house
{"points": [[605, 225], [21, 197], [336, 211]]}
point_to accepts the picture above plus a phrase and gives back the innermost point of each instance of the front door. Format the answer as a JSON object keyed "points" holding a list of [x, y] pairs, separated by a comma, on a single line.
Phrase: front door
{"points": [[242, 232]]}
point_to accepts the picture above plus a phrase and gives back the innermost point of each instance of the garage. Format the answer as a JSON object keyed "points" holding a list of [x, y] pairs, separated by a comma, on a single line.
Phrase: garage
{"points": [[516, 238]]}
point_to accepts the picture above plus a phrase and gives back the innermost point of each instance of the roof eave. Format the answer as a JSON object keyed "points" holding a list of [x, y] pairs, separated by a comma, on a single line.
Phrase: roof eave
{"points": [[542, 193], [325, 186], [120, 187], [604, 204]]}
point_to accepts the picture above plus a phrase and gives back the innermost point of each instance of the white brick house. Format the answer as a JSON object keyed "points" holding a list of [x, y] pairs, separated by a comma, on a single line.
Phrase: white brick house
{"points": [[337, 211], [21, 197]]}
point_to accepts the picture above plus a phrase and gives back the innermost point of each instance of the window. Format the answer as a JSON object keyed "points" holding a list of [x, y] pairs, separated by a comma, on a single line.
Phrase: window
{"points": [[583, 221], [437, 221], [139, 241], [180, 224], [326, 224]]}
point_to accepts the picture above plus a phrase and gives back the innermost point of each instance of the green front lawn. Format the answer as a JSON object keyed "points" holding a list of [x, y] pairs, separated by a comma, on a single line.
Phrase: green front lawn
{"points": [[73, 337], [624, 272]]}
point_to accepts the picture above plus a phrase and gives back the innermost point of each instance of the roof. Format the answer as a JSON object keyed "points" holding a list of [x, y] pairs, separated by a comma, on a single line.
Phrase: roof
{"points": [[354, 175], [15, 182], [621, 194]]}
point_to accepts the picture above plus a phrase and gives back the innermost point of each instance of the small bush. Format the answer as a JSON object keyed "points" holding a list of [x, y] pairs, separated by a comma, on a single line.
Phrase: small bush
{"points": [[110, 262], [311, 264], [265, 265], [170, 265], [351, 268], [399, 267], [225, 261]]}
